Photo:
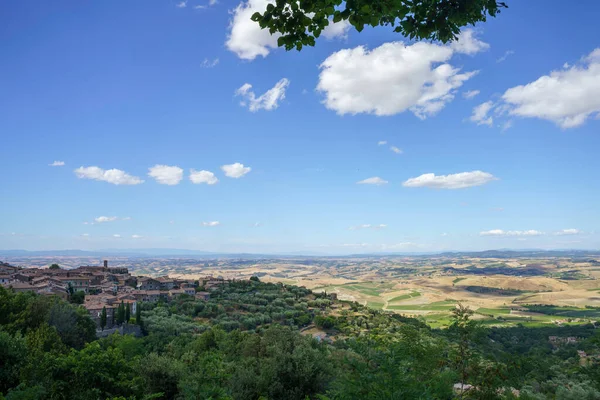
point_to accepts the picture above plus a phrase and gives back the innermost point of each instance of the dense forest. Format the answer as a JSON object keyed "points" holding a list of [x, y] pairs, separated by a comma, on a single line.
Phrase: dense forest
{"points": [[255, 340]]}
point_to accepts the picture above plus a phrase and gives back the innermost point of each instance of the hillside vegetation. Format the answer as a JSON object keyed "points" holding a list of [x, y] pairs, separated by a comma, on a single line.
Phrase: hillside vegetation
{"points": [[255, 340]]}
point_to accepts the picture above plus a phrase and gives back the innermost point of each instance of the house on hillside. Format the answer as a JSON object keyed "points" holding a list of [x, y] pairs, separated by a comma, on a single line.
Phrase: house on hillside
{"points": [[174, 293], [166, 283], [147, 283], [202, 296], [95, 311], [77, 282]]}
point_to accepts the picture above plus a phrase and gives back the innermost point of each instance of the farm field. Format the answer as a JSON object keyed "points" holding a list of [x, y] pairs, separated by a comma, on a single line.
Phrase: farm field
{"points": [[503, 288]]}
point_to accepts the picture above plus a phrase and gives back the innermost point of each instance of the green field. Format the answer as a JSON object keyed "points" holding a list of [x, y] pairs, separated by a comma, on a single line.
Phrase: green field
{"points": [[493, 311], [375, 305], [404, 297], [436, 306]]}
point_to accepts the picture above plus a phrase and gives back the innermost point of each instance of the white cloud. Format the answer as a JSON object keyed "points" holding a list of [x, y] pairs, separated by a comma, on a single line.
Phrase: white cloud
{"points": [[505, 56], [211, 223], [336, 30], [200, 7], [467, 43], [181, 4], [166, 174], [480, 114], [367, 226], [126, 218], [469, 94], [136, 236], [502, 233], [85, 234], [373, 181], [203, 177], [236, 170], [507, 125], [245, 38], [391, 79], [266, 101], [114, 176], [100, 220], [57, 164], [444, 234], [567, 97], [210, 63], [382, 143], [116, 235], [257, 224], [396, 150], [452, 181], [565, 232]]}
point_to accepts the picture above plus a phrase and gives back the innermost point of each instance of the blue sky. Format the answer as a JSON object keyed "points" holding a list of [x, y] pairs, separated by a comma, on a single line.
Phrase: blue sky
{"points": [[287, 136]]}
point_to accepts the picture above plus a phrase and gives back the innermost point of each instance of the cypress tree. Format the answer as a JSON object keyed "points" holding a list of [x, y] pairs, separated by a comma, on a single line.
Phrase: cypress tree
{"points": [[103, 318], [127, 313]]}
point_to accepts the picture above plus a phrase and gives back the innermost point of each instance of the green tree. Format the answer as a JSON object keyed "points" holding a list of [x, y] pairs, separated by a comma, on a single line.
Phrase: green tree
{"points": [[78, 297], [138, 314], [300, 22], [12, 355], [103, 318], [54, 266], [120, 313], [464, 331], [127, 313]]}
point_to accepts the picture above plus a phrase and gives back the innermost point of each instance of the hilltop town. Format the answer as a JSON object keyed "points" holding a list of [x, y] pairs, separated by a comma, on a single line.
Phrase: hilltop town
{"points": [[103, 287]]}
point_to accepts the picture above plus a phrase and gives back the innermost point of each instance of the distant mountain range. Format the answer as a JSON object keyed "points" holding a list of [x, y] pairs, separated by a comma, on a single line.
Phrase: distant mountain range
{"points": [[158, 252]]}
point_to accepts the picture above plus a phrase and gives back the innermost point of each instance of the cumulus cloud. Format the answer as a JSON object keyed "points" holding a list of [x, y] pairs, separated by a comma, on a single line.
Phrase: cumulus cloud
{"points": [[502, 233], [267, 101], [567, 97], [245, 38], [57, 164], [565, 232], [203, 177], [102, 219], [181, 4], [396, 150], [452, 181], [136, 236], [480, 114], [367, 226], [337, 30], [116, 235], [85, 234], [211, 223], [236, 170], [114, 176], [382, 143], [166, 174], [469, 94], [210, 63], [467, 43], [394, 78], [372, 181]]}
